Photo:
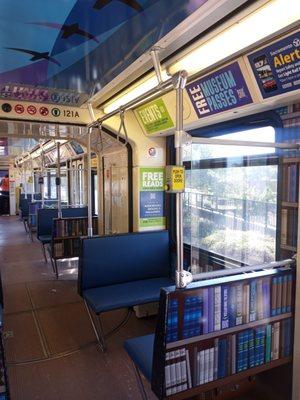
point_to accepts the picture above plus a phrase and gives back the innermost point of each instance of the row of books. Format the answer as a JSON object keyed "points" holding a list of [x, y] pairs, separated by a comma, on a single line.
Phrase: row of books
{"points": [[225, 306], [227, 356], [290, 183], [73, 227], [67, 248], [289, 227]]}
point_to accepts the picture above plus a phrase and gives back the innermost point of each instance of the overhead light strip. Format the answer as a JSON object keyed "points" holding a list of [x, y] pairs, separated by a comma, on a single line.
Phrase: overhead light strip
{"points": [[265, 21]]}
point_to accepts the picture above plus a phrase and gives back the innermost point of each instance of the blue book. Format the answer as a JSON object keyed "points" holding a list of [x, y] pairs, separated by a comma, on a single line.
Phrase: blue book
{"points": [[253, 305], [251, 347], [187, 317], [289, 293], [211, 308], [266, 297], [172, 321], [257, 333], [198, 329], [205, 321], [232, 305], [284, 293], [224, 302], [239, 351], [279, 295], [274, 296], [268, 343], [222, 358], [245, 350], [262, 346]]}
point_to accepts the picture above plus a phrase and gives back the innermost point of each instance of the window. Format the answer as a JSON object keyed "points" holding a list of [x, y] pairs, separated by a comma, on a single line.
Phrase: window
{"points": [[230, 203]]}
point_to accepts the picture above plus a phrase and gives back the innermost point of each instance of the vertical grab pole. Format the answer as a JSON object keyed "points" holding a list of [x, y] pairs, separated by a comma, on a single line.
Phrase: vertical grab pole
{"points": [[179, 82], [42, 185], [24, 180], [32, 172], [58, 181], [89, 173], [89, 184]]}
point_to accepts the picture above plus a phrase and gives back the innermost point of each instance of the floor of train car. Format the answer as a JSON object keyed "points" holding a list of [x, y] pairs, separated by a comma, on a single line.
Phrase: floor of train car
{"points": [[49, 343]]}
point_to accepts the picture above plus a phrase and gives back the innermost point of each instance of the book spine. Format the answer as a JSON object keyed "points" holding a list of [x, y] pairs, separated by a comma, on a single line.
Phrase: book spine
{"points": [[284, 227], [279, 296], [289, 293], [211, 364], [266, 297], [233, 354], [205, 311], [206, 365], [268, 343], [217, 308], [274, 297], [253, 299], [245, 350], [202, 367], [224, 305], [232, 306], [239, 351], [251, 348], [216, 358], [284, 294], [246, 303], [239, 304], [260, 299], [211, 309]]}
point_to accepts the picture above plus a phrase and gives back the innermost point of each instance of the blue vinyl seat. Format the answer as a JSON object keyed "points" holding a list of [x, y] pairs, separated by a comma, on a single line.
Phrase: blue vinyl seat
{"points": [[127, 294], [140, 350], [122, 271]]}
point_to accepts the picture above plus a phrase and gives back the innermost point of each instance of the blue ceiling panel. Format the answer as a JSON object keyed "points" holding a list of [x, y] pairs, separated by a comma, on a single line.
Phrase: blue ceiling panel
{"points": [[81, 45]]}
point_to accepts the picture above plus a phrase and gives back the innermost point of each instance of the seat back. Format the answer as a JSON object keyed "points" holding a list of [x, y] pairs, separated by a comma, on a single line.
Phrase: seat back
{"points": [[45, 220], [110, 260], [72, 212]]}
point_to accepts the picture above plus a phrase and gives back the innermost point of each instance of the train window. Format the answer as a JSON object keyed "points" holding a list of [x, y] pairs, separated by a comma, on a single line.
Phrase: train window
{"points": [[230, 206]]}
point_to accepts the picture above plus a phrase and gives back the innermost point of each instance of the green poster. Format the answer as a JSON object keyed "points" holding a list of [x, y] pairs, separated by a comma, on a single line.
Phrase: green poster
{"points": [[154, 116], [152, 197]]}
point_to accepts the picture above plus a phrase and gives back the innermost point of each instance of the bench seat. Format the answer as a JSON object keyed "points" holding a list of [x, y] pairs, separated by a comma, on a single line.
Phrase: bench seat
{"points": [[45, 239], [123, 295], [140, 350]]}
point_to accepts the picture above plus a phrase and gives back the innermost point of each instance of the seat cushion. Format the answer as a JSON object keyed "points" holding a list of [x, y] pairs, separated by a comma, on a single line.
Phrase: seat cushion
{"points": [[140, 350], [45, 238], [123, 295]]}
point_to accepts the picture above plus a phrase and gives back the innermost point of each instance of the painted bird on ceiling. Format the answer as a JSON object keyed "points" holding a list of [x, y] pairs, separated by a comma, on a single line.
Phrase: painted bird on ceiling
{"points": [[130, 3], [68, 30], [36, 55]]}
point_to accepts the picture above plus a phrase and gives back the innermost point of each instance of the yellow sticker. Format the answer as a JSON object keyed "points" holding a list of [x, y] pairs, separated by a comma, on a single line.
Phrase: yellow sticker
{"points": [[175, 179]]}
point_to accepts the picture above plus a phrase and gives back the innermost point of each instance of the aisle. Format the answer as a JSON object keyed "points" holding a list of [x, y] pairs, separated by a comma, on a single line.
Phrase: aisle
{"points": [[49, 343]]}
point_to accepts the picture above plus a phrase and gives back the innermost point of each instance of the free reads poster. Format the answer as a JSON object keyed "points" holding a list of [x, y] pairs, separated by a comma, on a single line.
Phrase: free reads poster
{"points": [[152, 213]]}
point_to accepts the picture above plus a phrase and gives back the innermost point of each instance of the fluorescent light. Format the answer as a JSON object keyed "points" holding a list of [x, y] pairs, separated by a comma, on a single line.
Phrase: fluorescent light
{"points": [[270, 18], [133, 93]]}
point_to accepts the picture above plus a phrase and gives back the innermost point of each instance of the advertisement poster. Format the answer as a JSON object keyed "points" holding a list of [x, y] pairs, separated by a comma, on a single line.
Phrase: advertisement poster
{"points": [[154, 116], [277, 67], [152, 213], [220, 91]]}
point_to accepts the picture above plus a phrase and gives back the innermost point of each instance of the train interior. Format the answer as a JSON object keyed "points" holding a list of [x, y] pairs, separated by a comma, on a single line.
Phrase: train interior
{"points": [[149, 200]]}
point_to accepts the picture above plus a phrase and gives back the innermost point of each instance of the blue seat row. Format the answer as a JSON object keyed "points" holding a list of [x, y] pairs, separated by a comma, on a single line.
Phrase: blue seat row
{"points": [[122, 271]]}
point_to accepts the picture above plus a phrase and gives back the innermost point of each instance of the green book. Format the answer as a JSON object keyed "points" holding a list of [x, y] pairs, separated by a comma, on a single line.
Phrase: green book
{"points": [[268, 343]]}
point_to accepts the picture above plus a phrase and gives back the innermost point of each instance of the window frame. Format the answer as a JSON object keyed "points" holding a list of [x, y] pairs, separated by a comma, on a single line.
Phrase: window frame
{"points": [[269, 118]]}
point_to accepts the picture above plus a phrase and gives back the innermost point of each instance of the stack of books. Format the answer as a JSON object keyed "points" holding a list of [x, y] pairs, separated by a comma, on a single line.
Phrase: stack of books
{"points": [[198, 364], [229, 305]]}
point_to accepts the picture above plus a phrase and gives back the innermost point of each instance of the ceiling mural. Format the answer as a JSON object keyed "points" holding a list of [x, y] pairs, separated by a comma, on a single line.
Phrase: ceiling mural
{"points": [[81, 45]]}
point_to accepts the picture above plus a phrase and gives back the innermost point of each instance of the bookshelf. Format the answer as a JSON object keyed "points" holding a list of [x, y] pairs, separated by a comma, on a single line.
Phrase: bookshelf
{"points": [[66, 236], [223, 331], [289, 206]]}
